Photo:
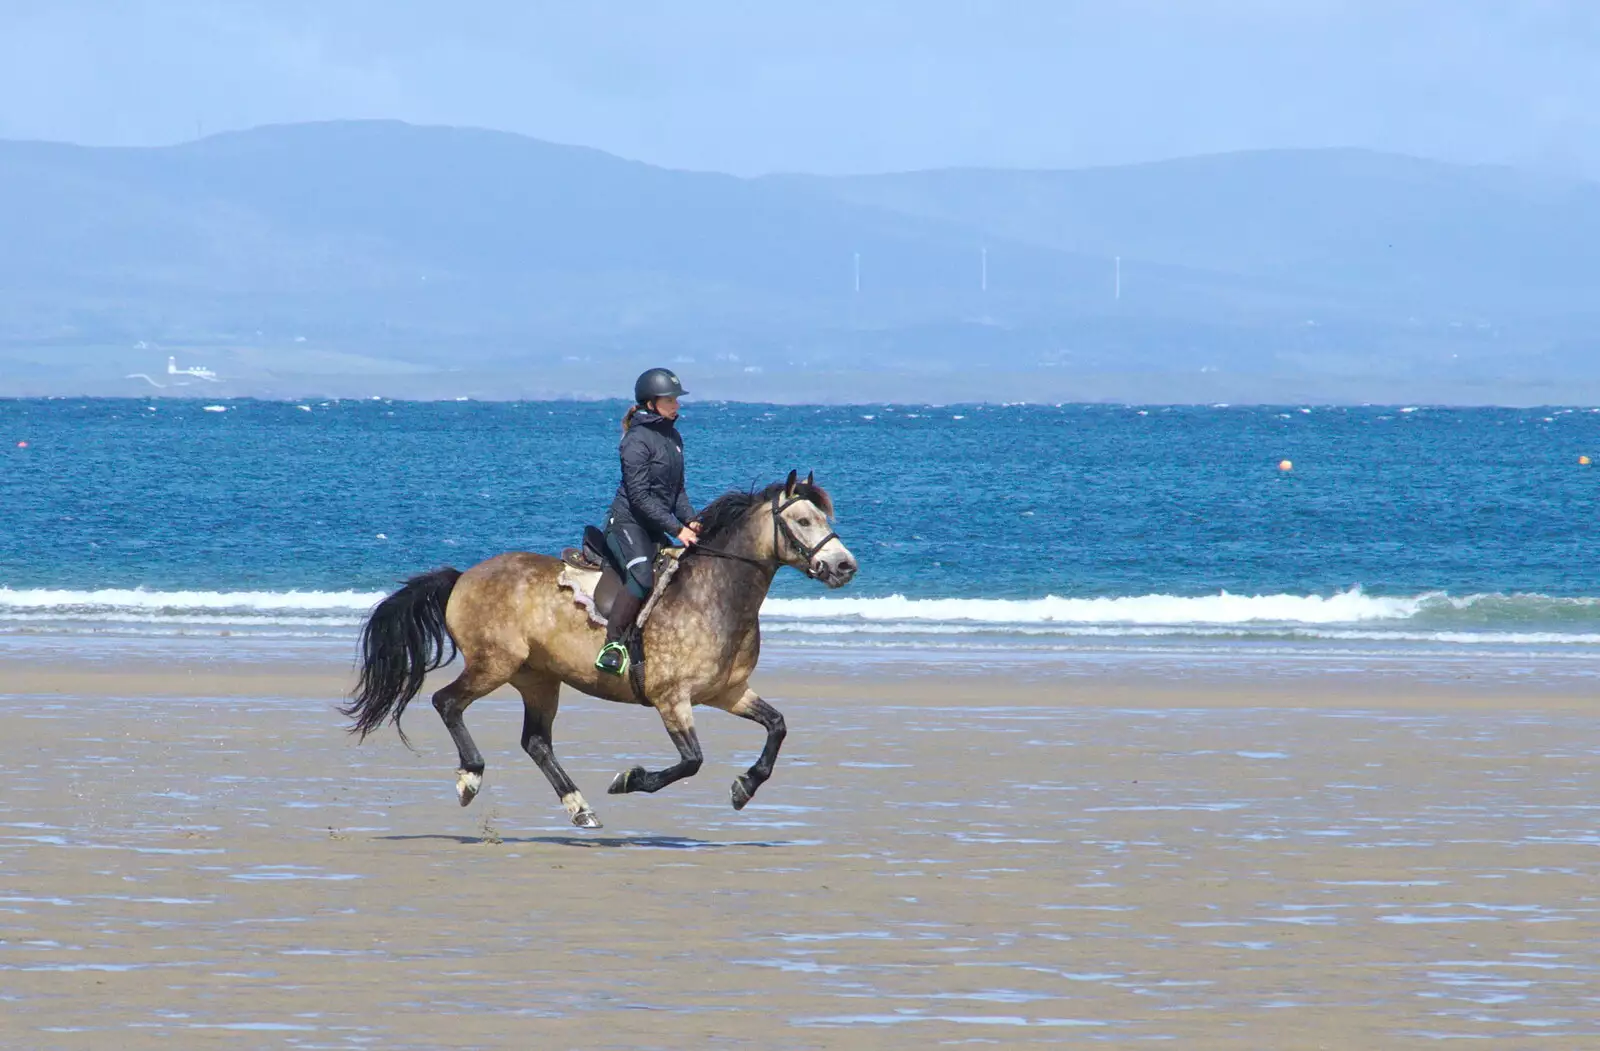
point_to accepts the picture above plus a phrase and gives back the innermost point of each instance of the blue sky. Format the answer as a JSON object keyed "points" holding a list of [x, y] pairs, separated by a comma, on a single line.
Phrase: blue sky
{"points": [[828, 86]]}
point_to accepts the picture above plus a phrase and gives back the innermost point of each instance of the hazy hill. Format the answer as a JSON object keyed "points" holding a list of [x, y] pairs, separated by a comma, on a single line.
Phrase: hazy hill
{"points": [[368, 257], [386, 208], [1380, 232]]}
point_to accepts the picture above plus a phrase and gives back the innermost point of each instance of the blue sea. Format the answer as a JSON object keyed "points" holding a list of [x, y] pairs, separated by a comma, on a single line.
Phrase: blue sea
{"points": [[1072, 528]]}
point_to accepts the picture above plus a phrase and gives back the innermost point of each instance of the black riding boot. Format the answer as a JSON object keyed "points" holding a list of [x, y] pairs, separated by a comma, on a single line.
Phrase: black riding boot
{"points": [[625, 609]]}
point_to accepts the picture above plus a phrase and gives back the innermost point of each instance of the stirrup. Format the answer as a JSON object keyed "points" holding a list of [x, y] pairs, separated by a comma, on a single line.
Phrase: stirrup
{"points": [[615, 647]]}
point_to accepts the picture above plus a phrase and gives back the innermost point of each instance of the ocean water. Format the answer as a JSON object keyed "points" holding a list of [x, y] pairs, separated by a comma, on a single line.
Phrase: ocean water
{"points": [[1070, 527]]}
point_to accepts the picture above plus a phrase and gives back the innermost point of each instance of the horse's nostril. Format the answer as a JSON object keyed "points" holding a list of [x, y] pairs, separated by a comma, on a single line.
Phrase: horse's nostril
{"points": [[847, 566]]}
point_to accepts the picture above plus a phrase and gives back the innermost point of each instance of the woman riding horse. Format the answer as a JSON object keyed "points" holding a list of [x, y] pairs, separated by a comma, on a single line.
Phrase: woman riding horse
{"points": [[651, 507], [515, 621]]}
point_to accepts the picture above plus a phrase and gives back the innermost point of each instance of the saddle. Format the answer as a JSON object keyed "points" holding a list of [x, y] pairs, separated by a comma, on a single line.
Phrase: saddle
{"points": [[595, 579]]}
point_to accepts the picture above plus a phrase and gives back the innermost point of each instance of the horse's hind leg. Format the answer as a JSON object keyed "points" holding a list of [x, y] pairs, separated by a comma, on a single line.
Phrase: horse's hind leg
{"points": [[540, 696], [475, 681], [747, 705], [678, 718]]}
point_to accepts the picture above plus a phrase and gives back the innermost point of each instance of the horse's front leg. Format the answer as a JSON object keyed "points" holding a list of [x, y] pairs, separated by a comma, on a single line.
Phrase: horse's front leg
{"points": [[678, 717], [747, 705]]}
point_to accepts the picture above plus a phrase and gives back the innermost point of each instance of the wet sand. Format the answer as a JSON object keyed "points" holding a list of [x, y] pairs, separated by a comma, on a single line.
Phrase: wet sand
{"points": [[196, 856]]}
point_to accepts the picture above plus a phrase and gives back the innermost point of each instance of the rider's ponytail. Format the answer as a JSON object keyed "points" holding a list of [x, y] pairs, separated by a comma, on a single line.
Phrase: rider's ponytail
{"points": [[627, 418]]}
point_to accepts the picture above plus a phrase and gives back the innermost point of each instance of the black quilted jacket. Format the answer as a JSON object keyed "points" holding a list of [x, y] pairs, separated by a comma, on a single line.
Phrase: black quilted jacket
{"points": [[651, 494]]}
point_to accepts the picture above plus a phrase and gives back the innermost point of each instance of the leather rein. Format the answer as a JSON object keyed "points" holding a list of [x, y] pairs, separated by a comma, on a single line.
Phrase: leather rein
{"points": [[780, 525]]}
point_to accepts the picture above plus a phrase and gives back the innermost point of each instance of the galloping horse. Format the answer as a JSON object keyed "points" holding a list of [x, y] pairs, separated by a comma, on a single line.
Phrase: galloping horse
{"points": [[512, 623]]}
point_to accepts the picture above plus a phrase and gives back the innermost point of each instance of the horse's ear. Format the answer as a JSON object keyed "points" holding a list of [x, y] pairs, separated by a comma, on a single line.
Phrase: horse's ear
{"points": [[809, 476], [788, 487]]}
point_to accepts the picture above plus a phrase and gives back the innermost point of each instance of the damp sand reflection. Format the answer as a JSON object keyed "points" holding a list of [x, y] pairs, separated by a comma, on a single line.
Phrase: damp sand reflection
{"points": [[179, 871]]}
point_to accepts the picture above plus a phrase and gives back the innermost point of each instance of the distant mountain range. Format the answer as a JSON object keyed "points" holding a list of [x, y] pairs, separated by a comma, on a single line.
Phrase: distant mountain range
{"points": [[379, 257]]}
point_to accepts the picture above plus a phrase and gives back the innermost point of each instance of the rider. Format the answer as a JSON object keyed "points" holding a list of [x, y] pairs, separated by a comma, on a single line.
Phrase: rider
{"points": [[651, 507]]}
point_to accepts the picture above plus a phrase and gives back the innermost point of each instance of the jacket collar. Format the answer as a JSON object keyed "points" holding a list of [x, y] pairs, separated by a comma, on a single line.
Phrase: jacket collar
{"points": [[650, 419]]}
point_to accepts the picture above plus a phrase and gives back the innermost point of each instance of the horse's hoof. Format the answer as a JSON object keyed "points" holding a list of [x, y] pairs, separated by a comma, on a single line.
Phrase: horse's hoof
{"points": [[621, 784], [741, 792], [468, 785], [586, 819]]}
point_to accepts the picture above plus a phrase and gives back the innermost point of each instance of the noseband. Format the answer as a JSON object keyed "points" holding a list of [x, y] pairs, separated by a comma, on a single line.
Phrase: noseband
{"points": [[779, 525]]}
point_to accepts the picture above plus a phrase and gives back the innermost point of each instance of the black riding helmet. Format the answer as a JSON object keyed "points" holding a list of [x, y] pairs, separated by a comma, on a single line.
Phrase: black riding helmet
{"points": [[657, 383]]}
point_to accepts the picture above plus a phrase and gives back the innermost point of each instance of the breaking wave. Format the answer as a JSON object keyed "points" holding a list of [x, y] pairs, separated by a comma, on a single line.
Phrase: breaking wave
{"points": [[1349, 615]]}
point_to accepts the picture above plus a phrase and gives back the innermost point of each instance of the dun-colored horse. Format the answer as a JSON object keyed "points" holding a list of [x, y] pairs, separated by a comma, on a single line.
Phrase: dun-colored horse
{"points": [[512, 623]]}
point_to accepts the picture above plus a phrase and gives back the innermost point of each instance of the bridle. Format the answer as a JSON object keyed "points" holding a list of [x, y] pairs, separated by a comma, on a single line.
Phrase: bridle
{"points": [[780, 525]]}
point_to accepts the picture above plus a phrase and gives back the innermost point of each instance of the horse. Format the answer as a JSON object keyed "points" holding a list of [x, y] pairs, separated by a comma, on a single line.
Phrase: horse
{"points": [[512, 623]]}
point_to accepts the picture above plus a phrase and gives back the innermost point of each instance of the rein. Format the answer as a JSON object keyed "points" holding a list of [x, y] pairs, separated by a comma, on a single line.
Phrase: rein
{"points": [[699, 548], [779, 523]]}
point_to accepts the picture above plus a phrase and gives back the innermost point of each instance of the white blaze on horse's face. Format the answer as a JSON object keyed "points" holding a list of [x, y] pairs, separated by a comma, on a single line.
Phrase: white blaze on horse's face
{"points": [[833, 564]]}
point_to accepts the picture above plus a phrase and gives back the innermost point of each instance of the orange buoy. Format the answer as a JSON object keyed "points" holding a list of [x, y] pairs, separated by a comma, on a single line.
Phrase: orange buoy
{"points": [[1285, 465], [1583, 461], [22, 445]]}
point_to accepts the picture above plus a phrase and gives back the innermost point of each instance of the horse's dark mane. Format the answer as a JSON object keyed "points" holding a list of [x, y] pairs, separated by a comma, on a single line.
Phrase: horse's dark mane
{"points": [[729, 509]]}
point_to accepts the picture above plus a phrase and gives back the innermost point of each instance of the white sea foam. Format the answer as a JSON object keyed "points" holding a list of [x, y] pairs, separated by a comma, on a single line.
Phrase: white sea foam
{"points": [[1490, 619], [823, 630], [221, 618], [1345, 607], [158, 604]]}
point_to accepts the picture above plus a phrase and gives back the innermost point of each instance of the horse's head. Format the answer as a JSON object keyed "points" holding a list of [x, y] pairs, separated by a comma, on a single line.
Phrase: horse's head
{"points": [[802, 536]]}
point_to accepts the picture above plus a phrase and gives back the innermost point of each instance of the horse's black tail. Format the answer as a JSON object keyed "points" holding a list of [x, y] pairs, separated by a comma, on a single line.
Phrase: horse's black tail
{"points": [[403, 640]]}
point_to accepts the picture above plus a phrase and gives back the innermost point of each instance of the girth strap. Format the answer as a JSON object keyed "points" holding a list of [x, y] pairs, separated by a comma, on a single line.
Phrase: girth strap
{"points": [[634, 640]]}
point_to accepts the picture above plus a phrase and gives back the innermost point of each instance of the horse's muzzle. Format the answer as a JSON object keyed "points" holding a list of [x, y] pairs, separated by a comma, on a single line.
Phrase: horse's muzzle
{"points": [[834, 574]]}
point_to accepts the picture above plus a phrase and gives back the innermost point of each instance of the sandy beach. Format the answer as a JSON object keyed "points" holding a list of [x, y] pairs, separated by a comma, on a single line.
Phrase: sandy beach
{"points": [[194, 854]]}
